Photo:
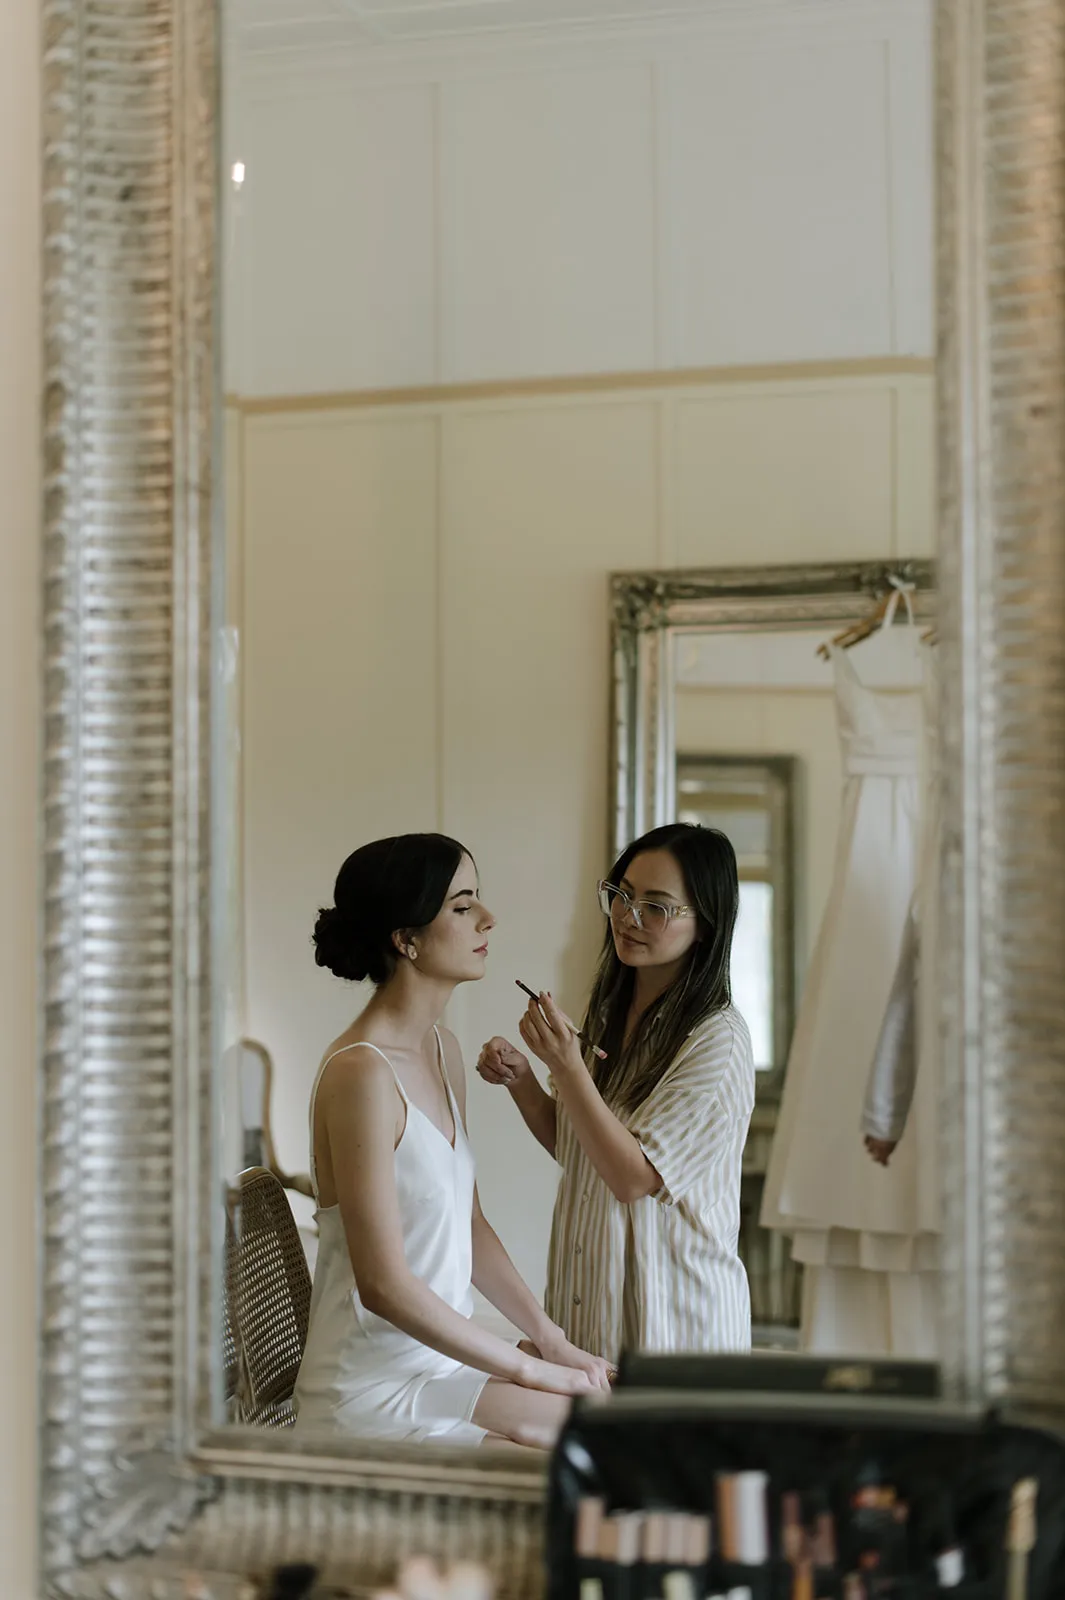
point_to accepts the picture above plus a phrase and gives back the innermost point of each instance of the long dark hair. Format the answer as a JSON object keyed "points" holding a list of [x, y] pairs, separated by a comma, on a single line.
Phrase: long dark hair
{"points": [[389, 886], [708, 864]]}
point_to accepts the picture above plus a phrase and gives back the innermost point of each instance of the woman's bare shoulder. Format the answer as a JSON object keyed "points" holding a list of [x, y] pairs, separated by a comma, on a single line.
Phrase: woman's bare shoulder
{"points": [[352, 1064]]}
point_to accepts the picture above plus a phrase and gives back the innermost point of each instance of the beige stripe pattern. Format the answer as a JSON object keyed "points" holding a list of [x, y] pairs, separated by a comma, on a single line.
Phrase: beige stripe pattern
{"points": [[663, 1273]]}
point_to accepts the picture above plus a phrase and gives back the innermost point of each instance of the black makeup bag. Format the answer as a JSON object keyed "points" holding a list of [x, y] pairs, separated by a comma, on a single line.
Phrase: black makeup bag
{"points": [[822, 1430]]}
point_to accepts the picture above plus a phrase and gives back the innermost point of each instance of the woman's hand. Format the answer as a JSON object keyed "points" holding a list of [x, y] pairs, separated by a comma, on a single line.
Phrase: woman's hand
{"points": [[499, 1062], [551, 1036], [535, 1373], [881, 1150], [556, 1348]]}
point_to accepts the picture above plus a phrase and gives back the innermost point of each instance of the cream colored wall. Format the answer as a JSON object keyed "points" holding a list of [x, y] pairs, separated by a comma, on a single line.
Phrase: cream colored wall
{"points": [[19, 600], [738, 184], [426, 646], [780, 722]]}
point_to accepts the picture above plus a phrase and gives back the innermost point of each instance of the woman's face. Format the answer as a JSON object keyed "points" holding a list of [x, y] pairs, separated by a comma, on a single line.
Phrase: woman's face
{"points": [[454, 946], [654, 875]]}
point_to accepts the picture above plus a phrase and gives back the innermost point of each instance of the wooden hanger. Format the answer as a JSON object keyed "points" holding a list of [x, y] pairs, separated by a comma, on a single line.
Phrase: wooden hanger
{"points": [[884, 611], [855, 632]]}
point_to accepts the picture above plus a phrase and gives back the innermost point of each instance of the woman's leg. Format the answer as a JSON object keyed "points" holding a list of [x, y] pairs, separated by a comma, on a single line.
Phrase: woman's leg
{"points": [[525, 1416]]}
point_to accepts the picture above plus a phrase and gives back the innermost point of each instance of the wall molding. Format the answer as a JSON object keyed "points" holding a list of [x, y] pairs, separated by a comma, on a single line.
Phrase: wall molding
{"points": [[268, 53], [588, 383]]}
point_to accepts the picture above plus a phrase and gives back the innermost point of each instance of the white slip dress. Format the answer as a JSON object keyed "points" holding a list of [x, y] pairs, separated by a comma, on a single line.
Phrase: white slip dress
{"points": [[866, 1235], [360, 1374]]}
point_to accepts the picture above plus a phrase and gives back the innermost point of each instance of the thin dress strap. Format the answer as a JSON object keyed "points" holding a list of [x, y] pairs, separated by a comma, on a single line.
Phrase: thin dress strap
{"points": [[441, 1061], [360, 1044]]}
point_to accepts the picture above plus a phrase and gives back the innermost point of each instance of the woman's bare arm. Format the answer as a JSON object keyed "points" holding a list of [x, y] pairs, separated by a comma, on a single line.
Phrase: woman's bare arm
{"points": [[496, 1276]]}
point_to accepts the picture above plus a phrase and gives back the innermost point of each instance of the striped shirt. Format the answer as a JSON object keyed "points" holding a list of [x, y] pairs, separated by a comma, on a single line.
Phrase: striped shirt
{"points": [[663, 1273]]}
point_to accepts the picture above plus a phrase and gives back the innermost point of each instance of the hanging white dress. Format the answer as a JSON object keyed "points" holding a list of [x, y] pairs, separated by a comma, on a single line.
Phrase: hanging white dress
{"points": [[904, 1076], [866, 1235]]}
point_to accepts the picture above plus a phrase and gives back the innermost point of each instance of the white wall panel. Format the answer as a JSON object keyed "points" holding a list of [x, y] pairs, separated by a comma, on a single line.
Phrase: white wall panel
{"points": [[776, 192], [547, 223], [676, 196], [338, 258]]}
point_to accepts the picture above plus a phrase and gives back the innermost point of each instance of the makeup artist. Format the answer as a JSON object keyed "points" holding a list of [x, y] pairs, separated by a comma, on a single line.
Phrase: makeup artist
{"points": [[648, 1117]]}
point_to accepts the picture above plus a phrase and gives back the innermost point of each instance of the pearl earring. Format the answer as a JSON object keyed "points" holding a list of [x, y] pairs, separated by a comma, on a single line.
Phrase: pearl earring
{"points": [[412, 952]]}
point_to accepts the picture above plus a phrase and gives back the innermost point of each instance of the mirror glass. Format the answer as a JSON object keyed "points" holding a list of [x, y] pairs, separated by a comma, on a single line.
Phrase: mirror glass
{"points": [[519, 294]]}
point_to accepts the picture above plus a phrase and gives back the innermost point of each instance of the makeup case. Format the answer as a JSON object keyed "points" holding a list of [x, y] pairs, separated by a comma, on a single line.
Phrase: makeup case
{"points": [[900, 1474]]}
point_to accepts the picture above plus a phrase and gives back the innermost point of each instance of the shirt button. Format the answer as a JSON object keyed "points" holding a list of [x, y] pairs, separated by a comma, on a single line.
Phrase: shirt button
{"points": [[576, 1299], [577, 1249], [584, 1196]]}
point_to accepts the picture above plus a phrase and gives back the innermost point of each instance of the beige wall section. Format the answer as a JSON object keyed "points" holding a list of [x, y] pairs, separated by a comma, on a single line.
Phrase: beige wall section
{"points": [[787, 470], [426, 645], [538, 505], [767, 722], [19, 708], [340, 700]]}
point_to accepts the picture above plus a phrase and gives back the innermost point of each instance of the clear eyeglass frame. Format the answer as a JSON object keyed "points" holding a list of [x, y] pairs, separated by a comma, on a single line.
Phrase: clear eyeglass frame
{"points": [[650, 916]]}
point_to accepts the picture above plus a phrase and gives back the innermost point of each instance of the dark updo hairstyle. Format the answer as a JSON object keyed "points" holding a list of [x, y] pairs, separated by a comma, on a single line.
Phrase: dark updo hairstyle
{"points": [[389, 886]]}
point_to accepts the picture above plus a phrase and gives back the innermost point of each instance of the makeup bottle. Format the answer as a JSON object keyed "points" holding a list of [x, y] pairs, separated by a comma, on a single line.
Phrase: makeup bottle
{"points": [[802, 1580], [678, 1585], [1020, 1536], [590, 1510], [824, 1541], [687, 1544], [792, 1533], [822, 1532], [725, 1499], [587, 1527], [699, 1545], [652, 1565], [751, 1518], [622, 1530]]}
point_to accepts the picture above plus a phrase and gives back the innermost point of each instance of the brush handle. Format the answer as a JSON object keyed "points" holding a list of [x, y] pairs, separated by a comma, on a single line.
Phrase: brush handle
{"points": [[577, 1034]]}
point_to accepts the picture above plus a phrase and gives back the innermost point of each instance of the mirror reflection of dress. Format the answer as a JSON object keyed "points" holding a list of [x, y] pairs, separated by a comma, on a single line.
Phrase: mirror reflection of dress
{"points": [[904, 1076], [867, 1236]]}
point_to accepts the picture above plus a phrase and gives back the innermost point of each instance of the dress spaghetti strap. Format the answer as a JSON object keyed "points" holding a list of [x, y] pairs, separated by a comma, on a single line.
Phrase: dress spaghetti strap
{"points": [[360, 1044]]}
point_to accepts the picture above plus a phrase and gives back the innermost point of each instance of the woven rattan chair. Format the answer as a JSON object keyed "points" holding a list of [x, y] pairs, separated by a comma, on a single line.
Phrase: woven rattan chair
{"points": [[269, 1288]]}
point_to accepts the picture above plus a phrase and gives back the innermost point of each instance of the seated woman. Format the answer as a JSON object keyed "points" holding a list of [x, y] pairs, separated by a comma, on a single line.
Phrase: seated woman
{"points": [[392, 1352]]}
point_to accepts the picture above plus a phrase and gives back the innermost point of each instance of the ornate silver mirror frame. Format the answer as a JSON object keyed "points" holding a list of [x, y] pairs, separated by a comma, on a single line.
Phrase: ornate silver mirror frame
{"points": [[138, 1492], [652, 611]]}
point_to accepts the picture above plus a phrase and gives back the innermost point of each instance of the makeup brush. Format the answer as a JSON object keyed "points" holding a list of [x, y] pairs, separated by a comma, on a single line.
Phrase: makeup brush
{"points": [[594, 1048]]}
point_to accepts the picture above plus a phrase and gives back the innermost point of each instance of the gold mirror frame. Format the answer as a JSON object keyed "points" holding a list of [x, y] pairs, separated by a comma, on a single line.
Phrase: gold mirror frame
{"points": [[140, 1490]]}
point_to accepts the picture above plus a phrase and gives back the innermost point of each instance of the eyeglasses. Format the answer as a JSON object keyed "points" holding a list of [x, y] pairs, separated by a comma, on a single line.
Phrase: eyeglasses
{"points": [[650, 916]]}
